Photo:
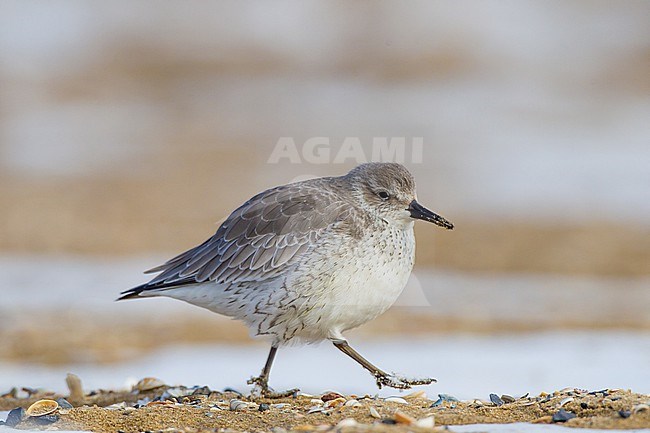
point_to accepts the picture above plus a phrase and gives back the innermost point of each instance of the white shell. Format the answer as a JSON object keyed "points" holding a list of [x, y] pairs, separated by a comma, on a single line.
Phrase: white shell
{"points": [[399, 400], [374, 412], [352, 403], [565, 401]]}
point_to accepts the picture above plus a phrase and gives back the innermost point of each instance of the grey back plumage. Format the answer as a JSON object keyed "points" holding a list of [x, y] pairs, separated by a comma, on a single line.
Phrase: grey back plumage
{"points": [[259, 239]]}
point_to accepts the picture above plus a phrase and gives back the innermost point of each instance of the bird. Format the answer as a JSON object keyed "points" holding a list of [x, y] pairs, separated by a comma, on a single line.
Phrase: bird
{"points": [[305, 262]]}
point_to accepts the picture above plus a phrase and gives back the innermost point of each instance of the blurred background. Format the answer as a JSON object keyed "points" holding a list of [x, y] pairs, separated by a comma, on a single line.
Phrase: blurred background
{"points": [[128, 129]]}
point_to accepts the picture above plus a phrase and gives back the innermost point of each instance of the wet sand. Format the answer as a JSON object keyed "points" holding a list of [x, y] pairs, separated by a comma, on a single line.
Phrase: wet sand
{"points": [[200, 409]]}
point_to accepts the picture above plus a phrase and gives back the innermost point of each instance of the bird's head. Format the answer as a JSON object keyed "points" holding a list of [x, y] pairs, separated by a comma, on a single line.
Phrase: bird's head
{"points": [[387, 191]]}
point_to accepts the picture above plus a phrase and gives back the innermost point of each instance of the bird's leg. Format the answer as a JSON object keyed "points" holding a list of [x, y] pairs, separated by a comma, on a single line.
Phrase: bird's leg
{"points": [[262, 381], [382, 378]]}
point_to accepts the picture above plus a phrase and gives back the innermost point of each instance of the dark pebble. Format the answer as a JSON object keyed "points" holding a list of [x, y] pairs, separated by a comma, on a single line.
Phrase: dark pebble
{"points": [[63, 403], [496, 399], [46, 419], [388, 421], [584, 405], [15, 416], [263, 407], [624, 413], [563, 416]]}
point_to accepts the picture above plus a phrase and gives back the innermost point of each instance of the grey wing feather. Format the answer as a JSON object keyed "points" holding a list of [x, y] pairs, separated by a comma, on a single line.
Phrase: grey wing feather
{"points": [[258, 241]]}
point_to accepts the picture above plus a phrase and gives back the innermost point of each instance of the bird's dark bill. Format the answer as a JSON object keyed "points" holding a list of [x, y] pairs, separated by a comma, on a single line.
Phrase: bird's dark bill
{"points": [[420, 212]]}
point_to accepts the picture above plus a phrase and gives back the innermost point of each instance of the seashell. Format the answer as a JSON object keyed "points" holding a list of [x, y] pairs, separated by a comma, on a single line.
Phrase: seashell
{"points": [[352, 403], [398, 400], [315, 409], [428, 422], [347, 422], [507, 398], [640, 408], [496, 400], [46, 419], [331, 396], [335, 403], [74, 386], [565, 401], [263, 407], [63, 403], [402, 418], [147, 384], [374, 413], [280, 405], [41, 408], [14, 417], [442, 398], [238, 405], [120, 405]]}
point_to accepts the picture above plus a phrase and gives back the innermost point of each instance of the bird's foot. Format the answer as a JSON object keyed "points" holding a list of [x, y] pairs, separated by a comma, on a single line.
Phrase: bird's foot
{"points": [[261, 389], [399, 382]]}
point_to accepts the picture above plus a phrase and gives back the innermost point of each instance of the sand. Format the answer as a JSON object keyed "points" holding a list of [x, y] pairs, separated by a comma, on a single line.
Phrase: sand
{"points": [[199, 409]]}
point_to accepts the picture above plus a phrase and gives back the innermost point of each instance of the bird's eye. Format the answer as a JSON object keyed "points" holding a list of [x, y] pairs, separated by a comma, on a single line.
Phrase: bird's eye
{"points": [[383, 195]]}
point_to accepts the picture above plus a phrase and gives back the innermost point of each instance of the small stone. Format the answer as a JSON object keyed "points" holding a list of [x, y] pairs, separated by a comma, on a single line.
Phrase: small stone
{"points": [[562, 416], [402, 418], [15, 416], [263, 407], [398, 400], [508, 398], [624, 413], [584, 405], [374, 412], [496, 400]]}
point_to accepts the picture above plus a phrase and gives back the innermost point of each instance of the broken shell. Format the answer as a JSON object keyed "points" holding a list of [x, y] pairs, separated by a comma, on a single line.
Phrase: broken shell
{"points": [[565, 401], [398, 400], [352, 403], [374, 413], [148, 383], [402, 418], [507, 398], [63, 403], [14, 417], [335, 403], [331, 396], [42, 407], [496, 399], [640, 408], [428, 422], [238, 405]]}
